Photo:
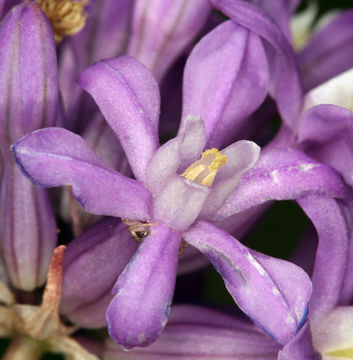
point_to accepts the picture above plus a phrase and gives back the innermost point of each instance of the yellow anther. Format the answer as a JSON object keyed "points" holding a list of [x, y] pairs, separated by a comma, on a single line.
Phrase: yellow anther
{"points": [[204, 171], [67, 17]]}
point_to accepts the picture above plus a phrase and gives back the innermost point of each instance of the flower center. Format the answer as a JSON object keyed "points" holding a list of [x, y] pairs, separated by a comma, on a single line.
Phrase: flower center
{"points": [[204, 170], [67, 17]]}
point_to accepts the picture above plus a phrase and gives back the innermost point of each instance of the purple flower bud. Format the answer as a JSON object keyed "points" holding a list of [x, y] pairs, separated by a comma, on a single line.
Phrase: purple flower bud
{"points": [[92, 262], [29, 101]]}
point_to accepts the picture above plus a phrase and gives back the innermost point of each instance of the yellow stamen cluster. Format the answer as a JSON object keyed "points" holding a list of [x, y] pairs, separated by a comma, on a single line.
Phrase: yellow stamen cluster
{"points": [[204, 171], [67, 17]]}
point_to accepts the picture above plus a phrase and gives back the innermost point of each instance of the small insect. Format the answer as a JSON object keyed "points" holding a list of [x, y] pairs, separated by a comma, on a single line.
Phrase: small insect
{"points": [[138, 230]]}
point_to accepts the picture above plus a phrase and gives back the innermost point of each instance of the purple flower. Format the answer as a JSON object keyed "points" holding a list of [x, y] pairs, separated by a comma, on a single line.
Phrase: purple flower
{"points": [[173, 198]]}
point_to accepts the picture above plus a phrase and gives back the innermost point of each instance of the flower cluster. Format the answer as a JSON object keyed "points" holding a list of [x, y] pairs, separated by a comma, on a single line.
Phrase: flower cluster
{"points": [[154, 120]]}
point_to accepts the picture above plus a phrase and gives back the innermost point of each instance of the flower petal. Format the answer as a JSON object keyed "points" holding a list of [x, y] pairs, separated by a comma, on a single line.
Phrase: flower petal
{"points": [[328, 53], [273, 292], [57, 157], [336, 91], [28, 76], [225, 80], [204, 334], [286, 81], [326, 134], [241, 156], [179, 203], [143, 293], [301, 347], [28, 229], [282, 174], [92, 263], [329, 219], [334, 333], [128, 96], [177, 153], [104, 36], [162, 29]]}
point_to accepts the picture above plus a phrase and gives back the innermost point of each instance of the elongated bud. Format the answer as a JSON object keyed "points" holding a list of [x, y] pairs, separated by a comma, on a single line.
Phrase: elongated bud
{"points": [[29, 101], [92, 263]]}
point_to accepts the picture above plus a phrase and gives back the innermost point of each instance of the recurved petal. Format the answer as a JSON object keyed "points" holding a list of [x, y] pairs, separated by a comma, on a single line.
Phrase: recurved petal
{"points": [[28, 76], [162, 29], [225, 80], [56, 157], [205, 335], [92, 263], [128, 96], [143, 293], [274, 293], [282, 174], [332, 227], [285, 77]]}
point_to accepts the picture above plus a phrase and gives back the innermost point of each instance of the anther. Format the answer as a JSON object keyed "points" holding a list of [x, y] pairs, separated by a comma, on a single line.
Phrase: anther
{"points": [[204, 170]]}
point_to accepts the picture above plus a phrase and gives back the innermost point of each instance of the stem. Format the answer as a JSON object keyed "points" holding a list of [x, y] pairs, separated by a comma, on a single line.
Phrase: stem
{"points": [[22, 348]]}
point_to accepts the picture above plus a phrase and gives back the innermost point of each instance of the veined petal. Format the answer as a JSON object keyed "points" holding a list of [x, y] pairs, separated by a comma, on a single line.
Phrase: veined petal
{"points": [[28, 229], [105, 33], [143, 293], [56, 157], [28, 101], [204, 334], [282, 174], [162, 29], [225, 80], [104, 36], [241, 156], [331, 258], [272, 292], [287, 84], [128, 96], [28, 76], [92, 263], [328, 53]]}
